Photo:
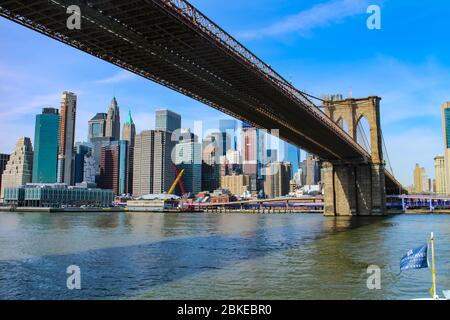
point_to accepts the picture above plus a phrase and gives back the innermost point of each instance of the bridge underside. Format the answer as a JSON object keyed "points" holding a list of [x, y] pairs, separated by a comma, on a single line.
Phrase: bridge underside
{"points": [[175, 45]]}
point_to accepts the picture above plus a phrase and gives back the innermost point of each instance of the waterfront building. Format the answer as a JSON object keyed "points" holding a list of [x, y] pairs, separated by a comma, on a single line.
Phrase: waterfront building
{"points": [[188, 156], [19, 168], [253, 155], [167, 120], [67, 138], [439, 174], [236, 184], [112, 129], [57, 196], [82, 150], [97, 126], [129, 134], [153, 169], [46, 134], [228, 129], [278, 177], [4, 158]]}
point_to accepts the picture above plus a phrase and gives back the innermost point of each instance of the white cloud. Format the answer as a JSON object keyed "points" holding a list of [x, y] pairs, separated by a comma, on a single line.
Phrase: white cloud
{"points": [[120, 76], [320, 15]]}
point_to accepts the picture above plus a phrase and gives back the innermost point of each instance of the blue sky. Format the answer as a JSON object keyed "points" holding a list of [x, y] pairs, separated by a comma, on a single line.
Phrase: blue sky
{"points": [[321, 46]]}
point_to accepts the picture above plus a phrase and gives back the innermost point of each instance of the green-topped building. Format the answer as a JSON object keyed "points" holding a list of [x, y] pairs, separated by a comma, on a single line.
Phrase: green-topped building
{"points": [[128, 134], [46, 137]]}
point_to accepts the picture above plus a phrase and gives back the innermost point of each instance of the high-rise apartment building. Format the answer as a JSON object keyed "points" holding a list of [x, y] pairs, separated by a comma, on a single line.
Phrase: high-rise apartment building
{"points": [[278, 177], [188, 156], [4, 158], [46, 134], [153, 169], [112, 129], [439, 175], [167, 120], [67, 138], [18, 170]]}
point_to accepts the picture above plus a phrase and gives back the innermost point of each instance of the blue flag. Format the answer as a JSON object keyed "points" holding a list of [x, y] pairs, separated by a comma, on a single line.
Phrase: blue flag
{"points": [[415, 259]]}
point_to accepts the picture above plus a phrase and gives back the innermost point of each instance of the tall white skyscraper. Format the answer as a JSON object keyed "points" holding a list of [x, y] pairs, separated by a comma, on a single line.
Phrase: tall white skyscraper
{"points": [[66, 157]]}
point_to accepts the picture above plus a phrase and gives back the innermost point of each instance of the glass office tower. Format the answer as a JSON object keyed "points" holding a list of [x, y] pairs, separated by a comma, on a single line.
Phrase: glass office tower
{"points": [[46, 137]]}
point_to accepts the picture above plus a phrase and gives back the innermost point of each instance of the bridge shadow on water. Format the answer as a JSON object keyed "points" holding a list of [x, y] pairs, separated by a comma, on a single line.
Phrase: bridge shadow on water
{"points": [[121, 272]]}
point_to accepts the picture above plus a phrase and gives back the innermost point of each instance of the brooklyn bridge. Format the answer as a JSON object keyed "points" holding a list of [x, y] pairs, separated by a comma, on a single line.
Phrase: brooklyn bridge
{"points": [[172, 43]]}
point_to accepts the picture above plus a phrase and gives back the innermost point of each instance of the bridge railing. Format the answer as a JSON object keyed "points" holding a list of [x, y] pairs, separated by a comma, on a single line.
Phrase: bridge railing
{"points": [[200, 21]]}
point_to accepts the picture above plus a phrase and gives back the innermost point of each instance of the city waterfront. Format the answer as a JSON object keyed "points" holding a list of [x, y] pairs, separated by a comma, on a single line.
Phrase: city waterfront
{"points": [[215, 256]]}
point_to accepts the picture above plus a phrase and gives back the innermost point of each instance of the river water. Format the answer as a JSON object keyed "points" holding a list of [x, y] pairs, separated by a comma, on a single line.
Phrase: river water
{"points": [[215, 256]]}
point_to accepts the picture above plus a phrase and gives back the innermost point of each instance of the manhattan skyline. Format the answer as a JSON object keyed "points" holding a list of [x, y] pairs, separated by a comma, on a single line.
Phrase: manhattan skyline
{"points": [[315, 56]]}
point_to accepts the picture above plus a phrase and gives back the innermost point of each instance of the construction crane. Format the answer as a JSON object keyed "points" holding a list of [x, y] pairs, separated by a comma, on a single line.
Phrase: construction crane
{"points": [[175, 182], [180, 182]]}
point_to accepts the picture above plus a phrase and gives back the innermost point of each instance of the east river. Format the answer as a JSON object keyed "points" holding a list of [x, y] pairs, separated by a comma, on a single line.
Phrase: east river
{"points": [[215, 256]]}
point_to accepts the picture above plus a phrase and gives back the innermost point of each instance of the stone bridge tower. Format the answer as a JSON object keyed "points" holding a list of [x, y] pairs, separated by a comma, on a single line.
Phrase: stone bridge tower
{"points": [[356, 186]]}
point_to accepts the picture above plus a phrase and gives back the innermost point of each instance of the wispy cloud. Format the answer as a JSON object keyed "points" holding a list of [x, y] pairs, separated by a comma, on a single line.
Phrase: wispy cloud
{"points": [[120, 76], [320, 15]]}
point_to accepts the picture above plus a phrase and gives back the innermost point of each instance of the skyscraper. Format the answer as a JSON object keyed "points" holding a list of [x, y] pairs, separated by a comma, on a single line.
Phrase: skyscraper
{"points": [[278, 176], [439, 175], [46, 132], [129, 134], [188, 156], [421, 183], [67, 138], [97, 126], [113, 121], [153, 169], [211, 152], [446, 130], [167, 120], [228, 130], [19, 168], [293, 156], [312, 170], [4, 158], [253, 155], [110, 167]]}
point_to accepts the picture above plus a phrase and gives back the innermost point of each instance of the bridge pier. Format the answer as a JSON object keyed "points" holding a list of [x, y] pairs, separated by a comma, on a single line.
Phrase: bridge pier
{"points": [[354, 189]]}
